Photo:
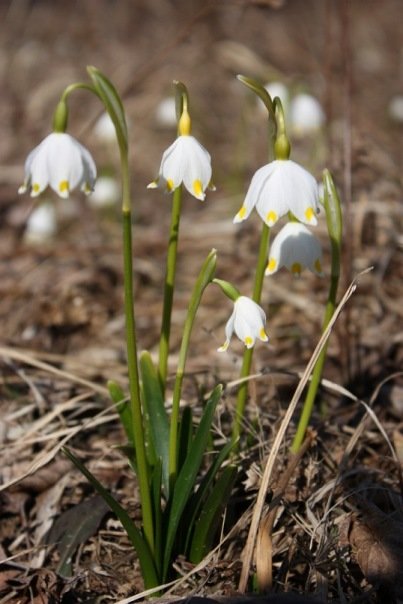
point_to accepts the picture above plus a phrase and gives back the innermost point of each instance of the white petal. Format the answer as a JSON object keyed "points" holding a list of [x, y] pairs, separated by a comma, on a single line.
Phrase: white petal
{"points": [[172, 163], [302, 192], [197, 173], [254, 192], [295, 247]]}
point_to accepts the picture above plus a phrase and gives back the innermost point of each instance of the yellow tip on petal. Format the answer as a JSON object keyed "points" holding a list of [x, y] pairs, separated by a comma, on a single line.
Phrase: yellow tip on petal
{"points": [[153, 185], [35, 190], [318, 266], [198, 189], [170, 185], [296, 269], [241, 215], [224, 347], [64, 188], [248, 342], [263, 335], [309, 214], [271, 266], [271, 217]]}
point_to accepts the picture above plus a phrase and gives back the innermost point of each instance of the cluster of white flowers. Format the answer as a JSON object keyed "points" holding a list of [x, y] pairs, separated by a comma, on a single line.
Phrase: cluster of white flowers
{"points": [[277, 189]]}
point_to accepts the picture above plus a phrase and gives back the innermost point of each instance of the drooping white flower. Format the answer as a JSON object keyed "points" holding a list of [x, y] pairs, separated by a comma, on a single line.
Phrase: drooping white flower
{"points": [[280, 187], [295, 247], [61, 162], [306, 114], [395, 108], [187, 161], [248, 321]]}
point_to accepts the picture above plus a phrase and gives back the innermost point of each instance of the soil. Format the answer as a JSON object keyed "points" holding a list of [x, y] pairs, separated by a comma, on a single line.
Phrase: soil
{"points": [[338, 528]]}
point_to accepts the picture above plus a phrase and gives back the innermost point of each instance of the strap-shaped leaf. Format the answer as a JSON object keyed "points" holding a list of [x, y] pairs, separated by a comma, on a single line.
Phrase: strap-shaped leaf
{"points": [[185, 435], [212, 510], [148, 570], [123, 408], [188, 474], [200, 497], [111, 100], [156, 419]]}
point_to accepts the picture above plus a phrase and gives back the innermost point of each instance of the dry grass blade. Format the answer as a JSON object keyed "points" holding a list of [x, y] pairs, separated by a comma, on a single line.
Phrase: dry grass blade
{"points": [[16, 355], [257, 513]]}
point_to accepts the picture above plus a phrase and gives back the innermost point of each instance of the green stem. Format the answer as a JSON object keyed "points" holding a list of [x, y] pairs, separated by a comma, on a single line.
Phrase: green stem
{"points": [[335, 227], [248, 354], [134, 384], [206, 275], [316, 374], [169, 286]]}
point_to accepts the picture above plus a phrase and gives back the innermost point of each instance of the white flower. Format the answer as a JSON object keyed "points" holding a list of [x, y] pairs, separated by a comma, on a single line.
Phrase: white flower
{"points": [[41, 225], [187, 161], [106, 192], [248, 321], [61, 162], [104, 129], [280, 187], [295, 248], [165, 113], [306, 114]]}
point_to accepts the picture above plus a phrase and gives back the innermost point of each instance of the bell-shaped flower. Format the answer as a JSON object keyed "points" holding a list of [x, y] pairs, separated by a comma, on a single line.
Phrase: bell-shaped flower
{"points": [[61, 162], [280, 187], [295, 247], [248, 321], [187, 161]]}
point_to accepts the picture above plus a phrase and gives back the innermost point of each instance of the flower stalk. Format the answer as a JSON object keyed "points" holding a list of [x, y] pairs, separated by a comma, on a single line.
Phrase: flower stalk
{"points": [[334, 226]]}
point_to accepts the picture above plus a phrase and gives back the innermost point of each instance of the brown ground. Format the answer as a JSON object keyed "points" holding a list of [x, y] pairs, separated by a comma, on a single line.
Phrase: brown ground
{"points": [[61, 302]]}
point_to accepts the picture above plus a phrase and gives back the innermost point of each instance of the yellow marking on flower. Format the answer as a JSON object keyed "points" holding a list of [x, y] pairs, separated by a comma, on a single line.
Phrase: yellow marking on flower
{"points": [[224, 347], [272, 265], [271, 217], [87, 189], [318, 266], [309, 214], [36, 188], [170, 184], [185, 123], [242, 213], [248, 341], [296, 268], [198, 188], [263, 335], [64, 186]]}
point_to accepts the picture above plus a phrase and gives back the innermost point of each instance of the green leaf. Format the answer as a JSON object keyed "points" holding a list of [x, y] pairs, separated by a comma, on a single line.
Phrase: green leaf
{"points": [[156, 419], [199, 498], [210, 516], [185, 435], [148, 570], [123, 408], [111, 100], [187, 476]]}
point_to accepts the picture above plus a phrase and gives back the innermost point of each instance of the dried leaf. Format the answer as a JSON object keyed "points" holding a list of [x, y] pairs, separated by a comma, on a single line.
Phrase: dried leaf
{"points": [[74, 527], [376, 541]]}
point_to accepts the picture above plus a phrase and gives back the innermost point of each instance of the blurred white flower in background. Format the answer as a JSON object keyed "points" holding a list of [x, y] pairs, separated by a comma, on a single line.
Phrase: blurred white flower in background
{"points": [[395, 108], [165, 113], [104, 129], [41, 225], [106, 193], [306, 115]]}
